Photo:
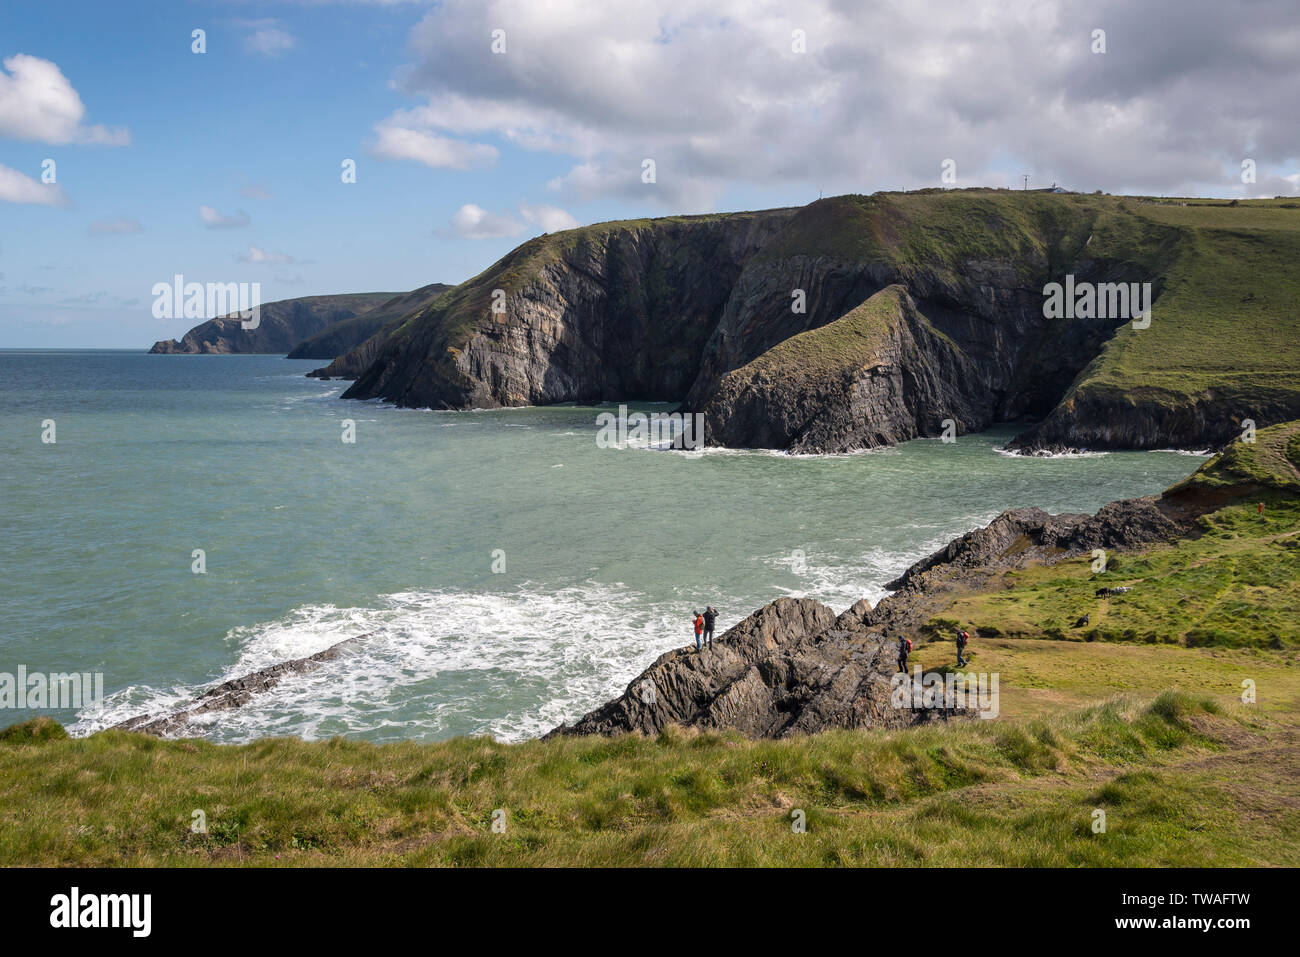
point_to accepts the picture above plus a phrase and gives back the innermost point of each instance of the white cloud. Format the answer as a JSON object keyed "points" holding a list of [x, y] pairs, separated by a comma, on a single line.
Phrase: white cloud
{"points": [[37, 103], [475, 222], [716, 94], [216, 219], [109, 227], [552, 219], [256, 254], [268, 39], [400, 142], [18, 188]]}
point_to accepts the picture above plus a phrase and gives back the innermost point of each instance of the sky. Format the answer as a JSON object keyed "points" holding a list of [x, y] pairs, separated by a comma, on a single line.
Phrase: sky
{"points": [[128, 157]]}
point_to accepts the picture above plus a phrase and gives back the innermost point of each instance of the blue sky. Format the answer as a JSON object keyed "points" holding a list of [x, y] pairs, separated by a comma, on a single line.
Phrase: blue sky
{"points": [[225, 166]]}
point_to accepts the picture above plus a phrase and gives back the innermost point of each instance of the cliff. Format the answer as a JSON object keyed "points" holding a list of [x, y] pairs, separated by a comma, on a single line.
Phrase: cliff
{"points": [[281, 325], [677, 309]]}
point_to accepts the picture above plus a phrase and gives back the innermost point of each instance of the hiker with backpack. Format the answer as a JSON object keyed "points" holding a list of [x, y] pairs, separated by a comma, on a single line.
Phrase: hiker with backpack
{"points": [[904, 649], [962, 638]]}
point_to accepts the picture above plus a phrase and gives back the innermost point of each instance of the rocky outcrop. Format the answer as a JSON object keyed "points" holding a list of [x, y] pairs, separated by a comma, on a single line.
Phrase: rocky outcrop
{"points": [[346, 334], [793, 667], [1022, 536], [790, 668], [1103, 418], [234, 693], [879, 375], [281, 326]]}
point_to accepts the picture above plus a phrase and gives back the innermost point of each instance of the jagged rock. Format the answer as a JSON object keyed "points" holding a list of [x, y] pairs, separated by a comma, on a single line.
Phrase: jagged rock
{"points": [[876, 376], [234, 693], [794, 667], [854, 619], [786, 669], [1019, 536]]}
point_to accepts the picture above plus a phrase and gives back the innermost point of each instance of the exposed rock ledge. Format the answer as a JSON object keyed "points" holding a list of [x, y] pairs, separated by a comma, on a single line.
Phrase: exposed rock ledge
{"points": [[234, 693], [792, 667]]}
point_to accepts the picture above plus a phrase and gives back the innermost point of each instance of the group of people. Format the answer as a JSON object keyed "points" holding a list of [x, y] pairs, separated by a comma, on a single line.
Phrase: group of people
{"points": [[704, 622], [905, 649], [704, 627]]}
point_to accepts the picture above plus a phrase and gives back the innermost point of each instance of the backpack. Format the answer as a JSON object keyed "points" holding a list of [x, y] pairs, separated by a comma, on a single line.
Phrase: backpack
{"points": [[909, 645]]}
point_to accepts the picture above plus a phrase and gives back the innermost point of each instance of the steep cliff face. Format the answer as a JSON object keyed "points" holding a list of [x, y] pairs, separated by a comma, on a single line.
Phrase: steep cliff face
{"points": [[677, 309], [281, 325], [878, 375], [620, 311], [1149, 417]]}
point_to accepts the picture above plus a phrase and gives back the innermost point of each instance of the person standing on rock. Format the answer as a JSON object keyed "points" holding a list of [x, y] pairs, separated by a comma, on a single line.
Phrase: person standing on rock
{"points": [[710, 618], [699, 628], [904, 649], [962, 638]]}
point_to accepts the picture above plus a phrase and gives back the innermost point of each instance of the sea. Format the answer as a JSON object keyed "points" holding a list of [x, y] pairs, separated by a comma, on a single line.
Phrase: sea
{"points": [[170, 522]]}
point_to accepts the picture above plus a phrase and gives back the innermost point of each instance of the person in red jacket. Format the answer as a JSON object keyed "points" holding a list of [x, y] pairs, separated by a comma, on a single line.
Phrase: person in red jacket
{"points": [[699, 629]]}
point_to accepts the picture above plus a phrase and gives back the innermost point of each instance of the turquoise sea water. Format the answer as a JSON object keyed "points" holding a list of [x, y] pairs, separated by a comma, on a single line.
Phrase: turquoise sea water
{"points": [[309, 540]]}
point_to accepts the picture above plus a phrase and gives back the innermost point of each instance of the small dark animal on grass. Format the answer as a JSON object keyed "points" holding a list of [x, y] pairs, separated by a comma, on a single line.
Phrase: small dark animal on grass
{"points": [[1103, 592], [1082, 621]]}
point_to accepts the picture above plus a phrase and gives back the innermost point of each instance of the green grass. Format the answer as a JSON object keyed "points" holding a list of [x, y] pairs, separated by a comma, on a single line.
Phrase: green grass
{"points": [[1237, 585], [851, 341], [974, 792]]}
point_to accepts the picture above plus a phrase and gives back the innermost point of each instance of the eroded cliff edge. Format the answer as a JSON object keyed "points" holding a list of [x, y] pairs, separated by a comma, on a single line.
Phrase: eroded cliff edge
{"points": [[675, 309]]}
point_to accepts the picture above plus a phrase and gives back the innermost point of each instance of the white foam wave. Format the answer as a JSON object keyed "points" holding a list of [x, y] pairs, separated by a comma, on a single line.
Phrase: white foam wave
{"points": [[436, 664]]}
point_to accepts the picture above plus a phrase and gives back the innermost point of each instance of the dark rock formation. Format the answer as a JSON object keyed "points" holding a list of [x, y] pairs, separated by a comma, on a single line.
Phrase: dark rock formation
{"points": [[1023, 535], [789, 668], [619, 311], [878, 375], [793, 667], [1100, 418], [281, 325], [234, 693]]}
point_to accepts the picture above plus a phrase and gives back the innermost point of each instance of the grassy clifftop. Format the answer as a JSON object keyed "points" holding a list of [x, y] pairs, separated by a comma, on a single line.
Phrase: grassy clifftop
{"points": [[848, 342], [1170, 775], [1233, 584]]}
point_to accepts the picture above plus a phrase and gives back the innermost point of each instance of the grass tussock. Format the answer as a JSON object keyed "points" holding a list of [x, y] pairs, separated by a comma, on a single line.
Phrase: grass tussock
{"points": [[972, 792]]}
